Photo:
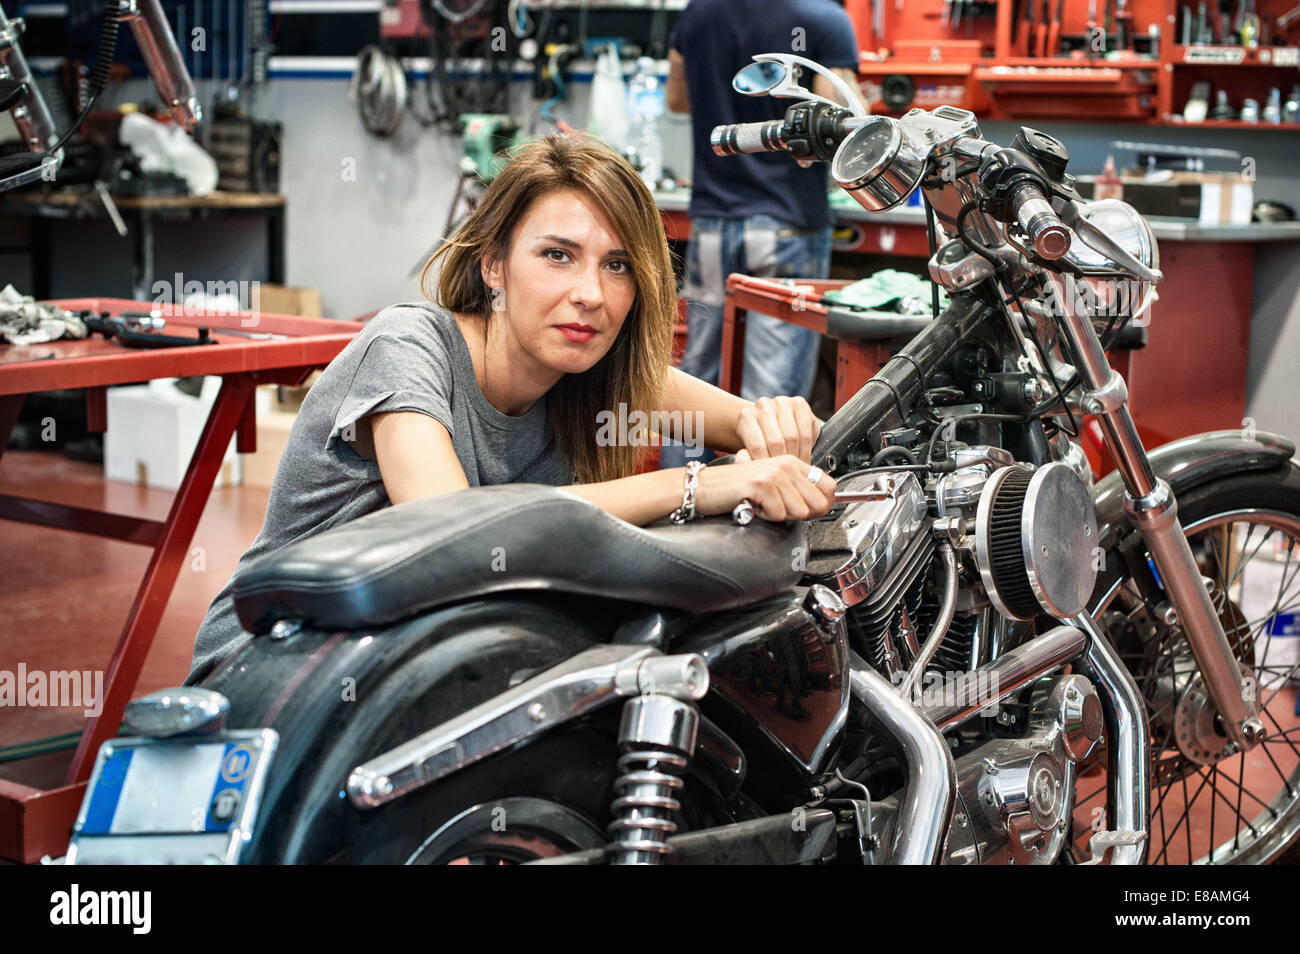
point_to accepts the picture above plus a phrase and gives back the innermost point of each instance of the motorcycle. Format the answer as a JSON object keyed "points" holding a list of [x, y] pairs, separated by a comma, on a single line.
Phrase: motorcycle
{"points": [[981, 655]]}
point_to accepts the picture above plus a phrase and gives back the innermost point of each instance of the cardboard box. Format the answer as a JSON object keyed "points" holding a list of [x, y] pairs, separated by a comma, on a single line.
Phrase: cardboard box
{"points": [[1211, 198], [284, 300], [272, 435]]}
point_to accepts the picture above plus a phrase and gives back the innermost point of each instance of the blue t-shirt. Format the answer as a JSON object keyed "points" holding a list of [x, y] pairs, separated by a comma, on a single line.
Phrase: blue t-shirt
{"points": [[716, 38]]}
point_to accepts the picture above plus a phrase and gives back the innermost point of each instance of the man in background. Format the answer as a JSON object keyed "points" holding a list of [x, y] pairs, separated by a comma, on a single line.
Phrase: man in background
{"points": [[757, 214]]}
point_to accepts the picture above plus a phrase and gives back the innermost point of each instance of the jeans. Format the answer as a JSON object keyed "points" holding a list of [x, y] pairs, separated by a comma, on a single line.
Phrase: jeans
{"points": [[780, 358]]}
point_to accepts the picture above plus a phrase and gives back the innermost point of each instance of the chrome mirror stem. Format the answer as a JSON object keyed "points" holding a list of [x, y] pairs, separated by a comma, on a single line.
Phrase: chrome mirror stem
{"points": [[789, 89]]}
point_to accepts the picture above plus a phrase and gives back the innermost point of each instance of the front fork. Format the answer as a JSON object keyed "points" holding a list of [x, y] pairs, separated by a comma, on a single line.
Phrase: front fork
{"points": [[1151, 507]]}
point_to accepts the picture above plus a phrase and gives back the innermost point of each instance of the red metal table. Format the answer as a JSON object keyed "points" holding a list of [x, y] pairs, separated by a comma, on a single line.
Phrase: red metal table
{"points": [[855, 361], [36, 822]]}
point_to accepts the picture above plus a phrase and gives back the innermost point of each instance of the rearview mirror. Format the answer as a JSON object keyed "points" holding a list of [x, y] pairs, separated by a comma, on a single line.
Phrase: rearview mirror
{"points": [[758, 79]]}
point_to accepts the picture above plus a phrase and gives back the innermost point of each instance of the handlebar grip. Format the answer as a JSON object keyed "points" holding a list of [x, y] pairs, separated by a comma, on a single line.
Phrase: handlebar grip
{"points": [[738, 138], [1034, 215]]}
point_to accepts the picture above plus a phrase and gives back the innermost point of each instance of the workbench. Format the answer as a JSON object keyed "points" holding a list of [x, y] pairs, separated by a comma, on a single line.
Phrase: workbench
{"points": [[36, 822], [141, 215]]}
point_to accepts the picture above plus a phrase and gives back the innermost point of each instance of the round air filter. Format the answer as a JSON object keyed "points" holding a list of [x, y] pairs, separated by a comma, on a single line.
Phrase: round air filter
{"points": [[1034, 537]]}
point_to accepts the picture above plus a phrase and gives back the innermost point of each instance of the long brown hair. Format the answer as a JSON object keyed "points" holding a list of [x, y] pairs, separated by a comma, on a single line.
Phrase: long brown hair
{"points": [[632, 372]]}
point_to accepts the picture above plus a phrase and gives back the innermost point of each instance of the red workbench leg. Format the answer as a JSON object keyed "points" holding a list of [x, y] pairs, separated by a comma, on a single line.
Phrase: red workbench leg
{"points": [[96, 410], [732, 366], [164, 566], [10, 406]]}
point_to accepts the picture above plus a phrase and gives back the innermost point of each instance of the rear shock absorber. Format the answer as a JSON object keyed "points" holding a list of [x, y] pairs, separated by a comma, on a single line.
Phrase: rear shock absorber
{"points": [[657, 737]]}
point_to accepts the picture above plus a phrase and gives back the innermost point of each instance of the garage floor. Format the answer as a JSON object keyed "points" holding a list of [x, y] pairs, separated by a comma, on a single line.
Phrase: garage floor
{"points": [[68, 594]]}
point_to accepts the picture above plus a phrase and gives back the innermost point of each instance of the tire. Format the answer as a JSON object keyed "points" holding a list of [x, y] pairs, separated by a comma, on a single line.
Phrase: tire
{"points": [[1234, 524]]}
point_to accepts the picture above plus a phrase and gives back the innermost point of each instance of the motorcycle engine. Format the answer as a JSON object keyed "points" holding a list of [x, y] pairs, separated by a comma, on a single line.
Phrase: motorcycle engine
{"points": [[875, 553], [1015, 796], [1024, 537]]}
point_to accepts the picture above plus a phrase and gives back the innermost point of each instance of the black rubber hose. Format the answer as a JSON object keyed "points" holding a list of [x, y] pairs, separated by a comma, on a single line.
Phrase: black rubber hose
{"points": [[882, 455]]}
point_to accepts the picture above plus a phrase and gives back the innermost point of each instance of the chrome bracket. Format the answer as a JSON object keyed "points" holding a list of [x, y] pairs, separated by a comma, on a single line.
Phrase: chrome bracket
{"points": [[551, 698], [1111, 396]]}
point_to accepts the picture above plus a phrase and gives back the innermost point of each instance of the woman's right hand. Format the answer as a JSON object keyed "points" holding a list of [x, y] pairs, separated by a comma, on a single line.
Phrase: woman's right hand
{"points": [[778, 487]]}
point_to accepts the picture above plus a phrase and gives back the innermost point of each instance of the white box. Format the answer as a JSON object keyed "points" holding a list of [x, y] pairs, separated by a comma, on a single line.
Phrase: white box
{"points": [[1278, 634], [153, 429]]}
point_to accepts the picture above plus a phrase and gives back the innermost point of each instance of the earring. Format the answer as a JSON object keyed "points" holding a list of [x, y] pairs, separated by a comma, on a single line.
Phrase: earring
{"points": [[498, 298]]}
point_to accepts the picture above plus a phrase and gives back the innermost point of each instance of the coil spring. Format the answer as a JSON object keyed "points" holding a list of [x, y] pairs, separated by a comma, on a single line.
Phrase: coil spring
{"points": [[645, 803]]}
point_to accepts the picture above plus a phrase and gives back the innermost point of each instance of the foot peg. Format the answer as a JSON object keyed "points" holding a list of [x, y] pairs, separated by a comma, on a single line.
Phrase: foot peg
{"points": [[1103, 841]]}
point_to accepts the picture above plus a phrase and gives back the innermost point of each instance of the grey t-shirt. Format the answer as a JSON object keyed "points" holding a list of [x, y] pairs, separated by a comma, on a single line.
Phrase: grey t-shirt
{"points": [[410, 357]]}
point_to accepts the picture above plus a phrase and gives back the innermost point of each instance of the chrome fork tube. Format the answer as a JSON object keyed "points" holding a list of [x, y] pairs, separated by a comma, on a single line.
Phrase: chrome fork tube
{"points": [[30, 114], [1152, 508], [926, 810], [1128, 772]]}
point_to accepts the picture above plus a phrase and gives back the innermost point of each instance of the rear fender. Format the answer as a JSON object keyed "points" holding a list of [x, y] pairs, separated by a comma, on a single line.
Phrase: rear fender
{"points": [[339, 698]]}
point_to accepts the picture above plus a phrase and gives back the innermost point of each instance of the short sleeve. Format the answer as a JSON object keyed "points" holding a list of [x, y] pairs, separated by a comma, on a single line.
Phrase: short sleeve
{"points": [[398, 371], [838, 41]]}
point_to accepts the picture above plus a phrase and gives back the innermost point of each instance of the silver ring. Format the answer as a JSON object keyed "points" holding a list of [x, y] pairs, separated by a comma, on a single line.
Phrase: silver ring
{"points": [[815, 474]]}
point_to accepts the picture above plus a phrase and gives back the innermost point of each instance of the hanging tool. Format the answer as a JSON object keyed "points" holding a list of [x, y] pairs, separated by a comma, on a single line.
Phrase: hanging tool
{"points": [[1027, 47], [1186, 37], [1251, 28], [1203, 35], [1054, 32], [1092, 28], [1040, 33], [878, 21], [1285, 21], [1123, 25]]}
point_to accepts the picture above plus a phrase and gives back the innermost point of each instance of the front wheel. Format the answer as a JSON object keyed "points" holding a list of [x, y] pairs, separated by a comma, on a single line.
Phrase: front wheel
{"points": [[1211, 804]]}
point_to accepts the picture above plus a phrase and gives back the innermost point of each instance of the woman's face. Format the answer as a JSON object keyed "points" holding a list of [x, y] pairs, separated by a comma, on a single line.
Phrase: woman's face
{"points": [[568, 282]]}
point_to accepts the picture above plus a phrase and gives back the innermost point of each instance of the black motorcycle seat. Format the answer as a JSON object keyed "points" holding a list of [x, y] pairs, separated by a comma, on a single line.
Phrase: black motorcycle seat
{"points": [[407, 559]]}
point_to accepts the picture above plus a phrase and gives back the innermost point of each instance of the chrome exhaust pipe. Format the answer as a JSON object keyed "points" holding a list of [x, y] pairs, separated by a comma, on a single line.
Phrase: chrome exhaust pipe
{"points": [[926, 809], [1128, 778], [972, 692], [1126, 719]]}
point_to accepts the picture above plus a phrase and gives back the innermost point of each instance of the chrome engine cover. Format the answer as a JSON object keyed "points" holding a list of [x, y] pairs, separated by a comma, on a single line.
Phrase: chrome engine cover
{"points": [[854, 551], [1016, 796], [957, 494]]}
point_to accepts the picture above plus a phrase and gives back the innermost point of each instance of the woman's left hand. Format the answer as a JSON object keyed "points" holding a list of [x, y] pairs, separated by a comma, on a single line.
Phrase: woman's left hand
{"points": [[773, 426]]}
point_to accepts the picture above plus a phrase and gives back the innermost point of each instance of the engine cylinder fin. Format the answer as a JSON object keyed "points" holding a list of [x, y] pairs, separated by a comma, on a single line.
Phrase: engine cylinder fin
{"points": [[873, 624]]}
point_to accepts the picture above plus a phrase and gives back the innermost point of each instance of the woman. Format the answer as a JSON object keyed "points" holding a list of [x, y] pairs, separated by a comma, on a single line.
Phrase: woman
{"points": [[554, 307]]}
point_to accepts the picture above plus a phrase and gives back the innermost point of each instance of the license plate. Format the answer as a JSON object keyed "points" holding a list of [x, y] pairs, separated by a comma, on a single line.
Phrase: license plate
{"points": [[189, 800]]}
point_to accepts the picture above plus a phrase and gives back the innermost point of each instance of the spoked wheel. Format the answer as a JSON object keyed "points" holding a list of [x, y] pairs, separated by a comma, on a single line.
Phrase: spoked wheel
{"points": [[511, 831], [1210, 803]]}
